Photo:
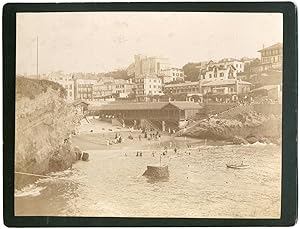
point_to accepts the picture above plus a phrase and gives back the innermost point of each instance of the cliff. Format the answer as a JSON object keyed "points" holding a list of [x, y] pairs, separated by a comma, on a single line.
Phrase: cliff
{"points": [[44, 122]]}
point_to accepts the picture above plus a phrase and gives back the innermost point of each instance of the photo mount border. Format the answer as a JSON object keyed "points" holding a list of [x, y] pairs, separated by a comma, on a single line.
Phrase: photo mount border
{"points": [[289, 187]]}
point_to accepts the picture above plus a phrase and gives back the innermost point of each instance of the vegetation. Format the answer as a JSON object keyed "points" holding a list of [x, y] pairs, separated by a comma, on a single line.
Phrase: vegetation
{"points": [[117, 74], [191, 71], [30, 88], [265, 78]]}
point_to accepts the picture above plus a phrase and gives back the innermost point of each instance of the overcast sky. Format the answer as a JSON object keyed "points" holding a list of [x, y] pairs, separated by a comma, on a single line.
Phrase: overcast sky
{"points": [[100, 42]]}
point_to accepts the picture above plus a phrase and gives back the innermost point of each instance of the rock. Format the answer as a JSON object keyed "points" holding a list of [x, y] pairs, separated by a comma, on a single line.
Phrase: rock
{"points": [[265, 140], [252, 139], [157, 171], [239, 140], [78, 152], [85, 156], [56, 163]]}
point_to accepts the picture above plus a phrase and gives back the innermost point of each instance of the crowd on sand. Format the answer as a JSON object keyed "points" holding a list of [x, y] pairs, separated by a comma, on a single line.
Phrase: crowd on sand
{"points": [[148, 135], [145, 134]]}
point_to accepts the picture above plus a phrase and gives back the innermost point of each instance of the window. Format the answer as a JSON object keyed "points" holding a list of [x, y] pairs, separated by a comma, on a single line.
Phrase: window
{"points": [[215, 75], [209, 75], [154, 86], [221, 74], [173, 74], [154, 81]]}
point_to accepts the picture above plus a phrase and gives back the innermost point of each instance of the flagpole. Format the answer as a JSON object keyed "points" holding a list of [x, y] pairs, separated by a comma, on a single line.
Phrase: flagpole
{"points": [[37, 57]]}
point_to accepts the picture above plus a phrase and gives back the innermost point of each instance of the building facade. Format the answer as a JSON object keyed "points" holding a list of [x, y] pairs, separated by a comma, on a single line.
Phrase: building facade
{"points": [[66, 81], [219, 73], [144, 65], [123, 88], [118, 88], [237, 64], [226, 87], [84, 89], [181, 88], [148, 86], [271, 57], [171, 75], [103, 90]]}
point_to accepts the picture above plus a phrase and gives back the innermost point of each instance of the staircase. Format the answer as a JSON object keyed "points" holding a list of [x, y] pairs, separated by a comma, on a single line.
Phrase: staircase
{"points": [[148, 124]]}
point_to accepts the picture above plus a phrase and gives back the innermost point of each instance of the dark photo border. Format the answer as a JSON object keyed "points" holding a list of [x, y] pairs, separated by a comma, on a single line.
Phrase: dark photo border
{"points": [[289, 119]]}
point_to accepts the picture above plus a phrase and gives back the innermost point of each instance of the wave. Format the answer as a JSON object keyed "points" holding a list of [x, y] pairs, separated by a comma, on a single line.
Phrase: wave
{"points": [[30, 190]]}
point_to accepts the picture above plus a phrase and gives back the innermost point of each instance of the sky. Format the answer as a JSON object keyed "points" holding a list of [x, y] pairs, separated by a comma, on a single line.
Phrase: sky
{"points": [[106, 41]]}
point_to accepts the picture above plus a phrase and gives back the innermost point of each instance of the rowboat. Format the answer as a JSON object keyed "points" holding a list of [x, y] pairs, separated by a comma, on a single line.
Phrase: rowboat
{"points": [[242, 166]]}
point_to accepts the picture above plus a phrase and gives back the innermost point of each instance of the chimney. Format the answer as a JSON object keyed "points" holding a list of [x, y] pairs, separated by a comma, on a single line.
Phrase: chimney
{"points": [[263, 46]]}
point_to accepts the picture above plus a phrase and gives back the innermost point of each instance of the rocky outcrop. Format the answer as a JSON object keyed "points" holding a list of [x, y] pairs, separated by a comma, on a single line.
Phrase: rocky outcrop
{"points": [[44, 124], [239, 140], [244, 128]]}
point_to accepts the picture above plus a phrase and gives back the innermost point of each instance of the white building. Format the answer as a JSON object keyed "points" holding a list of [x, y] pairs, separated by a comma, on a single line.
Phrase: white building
{"points": [[239, 65], [219, 73], [84, 89], [65, 80], [172, 74], [148, 86], [144, 65]]}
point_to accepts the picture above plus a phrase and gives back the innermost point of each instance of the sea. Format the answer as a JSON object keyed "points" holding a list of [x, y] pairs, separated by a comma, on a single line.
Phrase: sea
{"points": [[200, 185]]}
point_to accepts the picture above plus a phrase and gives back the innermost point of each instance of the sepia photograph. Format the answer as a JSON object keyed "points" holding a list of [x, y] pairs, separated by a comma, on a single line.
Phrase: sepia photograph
{"points": [[149, 114]]}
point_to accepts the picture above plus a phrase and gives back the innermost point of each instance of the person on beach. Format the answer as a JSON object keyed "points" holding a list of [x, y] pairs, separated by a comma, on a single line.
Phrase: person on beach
{"points": [[175, 150], [137, 153], [153, 154], [141, 154], [140, 137]]}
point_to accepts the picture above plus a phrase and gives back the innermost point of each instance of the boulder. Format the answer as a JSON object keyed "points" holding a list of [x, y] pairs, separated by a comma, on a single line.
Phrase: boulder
{"points": [[252, 139], [157, 171], [265, 140], [85, 156], [78, 152], [239, 140]]}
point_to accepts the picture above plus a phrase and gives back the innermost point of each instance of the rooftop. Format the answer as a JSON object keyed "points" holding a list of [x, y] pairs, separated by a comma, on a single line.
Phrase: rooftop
{"points": [[224, 82], [267, 87], [275, 46], [224, 60], [182, 105], [77, 102], [182, 84]]}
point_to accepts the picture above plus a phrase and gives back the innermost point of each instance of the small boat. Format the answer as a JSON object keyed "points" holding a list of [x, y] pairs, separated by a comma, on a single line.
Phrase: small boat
{"points": [[242, 166]]}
